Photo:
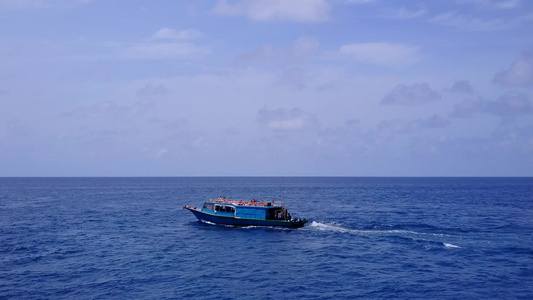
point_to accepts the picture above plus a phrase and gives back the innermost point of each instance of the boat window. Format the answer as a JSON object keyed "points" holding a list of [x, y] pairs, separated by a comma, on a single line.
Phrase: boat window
{"points": [[229, 209]]}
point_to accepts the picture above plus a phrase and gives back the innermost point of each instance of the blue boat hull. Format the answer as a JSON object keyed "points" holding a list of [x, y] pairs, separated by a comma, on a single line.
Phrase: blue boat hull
{"points": [[232, 221]]}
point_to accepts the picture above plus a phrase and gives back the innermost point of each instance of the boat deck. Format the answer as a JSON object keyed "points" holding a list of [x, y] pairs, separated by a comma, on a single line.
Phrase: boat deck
{"points": [[246, 202]]}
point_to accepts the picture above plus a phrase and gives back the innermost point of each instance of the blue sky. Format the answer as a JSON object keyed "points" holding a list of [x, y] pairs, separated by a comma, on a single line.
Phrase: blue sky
{"points": [[266, 87]]}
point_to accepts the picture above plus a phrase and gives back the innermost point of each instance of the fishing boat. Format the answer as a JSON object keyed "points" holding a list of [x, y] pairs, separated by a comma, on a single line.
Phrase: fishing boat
{"points": [[245, 213]]}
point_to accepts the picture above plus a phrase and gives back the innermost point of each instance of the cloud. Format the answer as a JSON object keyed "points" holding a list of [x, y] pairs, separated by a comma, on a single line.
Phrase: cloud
{"points": [[508, 107], [461, 86], [507, 139], [272, 10], [463, 22], [405, 14], [172, 34], [435, 121], [405, 126], [152, 90], [14, 128], [351, 137], [467, 108], [39, 4], [161, 153], [520, 74], [380, 53], [294, 77], [111, 109], [303, 47], [359, 1], [342, 137], [410, 95], [165, 50], [395, 127], [285, 120], [21, 4], [166, 43], [510, 135], [494, 4]]}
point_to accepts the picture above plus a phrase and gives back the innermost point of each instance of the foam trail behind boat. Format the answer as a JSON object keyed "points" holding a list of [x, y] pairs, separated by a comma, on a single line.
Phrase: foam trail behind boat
{"points": [[416, 236]]}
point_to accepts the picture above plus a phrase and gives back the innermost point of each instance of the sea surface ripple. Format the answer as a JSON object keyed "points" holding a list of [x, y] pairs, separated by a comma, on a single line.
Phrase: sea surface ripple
{"points": [[367, 238]]}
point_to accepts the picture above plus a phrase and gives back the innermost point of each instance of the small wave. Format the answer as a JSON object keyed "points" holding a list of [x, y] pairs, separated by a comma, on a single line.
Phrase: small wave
{"points": [[243, 227], [432, 238], [207, 222], [338, 228], [330, 227]]}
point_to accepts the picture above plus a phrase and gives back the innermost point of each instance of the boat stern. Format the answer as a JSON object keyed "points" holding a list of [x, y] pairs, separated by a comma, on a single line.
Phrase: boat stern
{"points": [[297, 223]]}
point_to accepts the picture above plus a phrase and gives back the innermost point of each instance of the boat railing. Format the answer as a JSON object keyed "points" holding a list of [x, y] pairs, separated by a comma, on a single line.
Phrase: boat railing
{"points": [[248, 202]]}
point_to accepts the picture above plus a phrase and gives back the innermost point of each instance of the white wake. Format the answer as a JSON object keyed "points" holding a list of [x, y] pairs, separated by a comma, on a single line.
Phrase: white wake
{"points": [[377, 232]]}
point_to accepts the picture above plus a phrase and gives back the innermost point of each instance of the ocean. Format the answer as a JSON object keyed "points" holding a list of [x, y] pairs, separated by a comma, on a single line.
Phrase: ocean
{"points": [[367, 238]]}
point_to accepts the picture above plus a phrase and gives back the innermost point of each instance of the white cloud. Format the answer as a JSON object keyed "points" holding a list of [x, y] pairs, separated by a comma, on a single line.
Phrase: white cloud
{"points": [[404, 126], [161, 45], [380, 53], [39, 4], [21, 4], [165, 50], [272, 10], [167, 44], [296, 123], [161, 153], [303, 47], [507, 4], [463, 22], [410, 94], [172, 34], [405, 14], [493, 4], [285, 120], [112, 110], [264, 53], [359, 1], [520, 74], [15, 128]]}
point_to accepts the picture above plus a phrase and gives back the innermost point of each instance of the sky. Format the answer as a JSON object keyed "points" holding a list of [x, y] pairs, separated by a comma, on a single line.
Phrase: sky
{"points": [[266, 88]]}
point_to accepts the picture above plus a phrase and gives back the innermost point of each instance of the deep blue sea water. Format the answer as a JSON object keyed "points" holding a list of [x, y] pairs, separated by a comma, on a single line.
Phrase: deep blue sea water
{"points": [[368, 238]]}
